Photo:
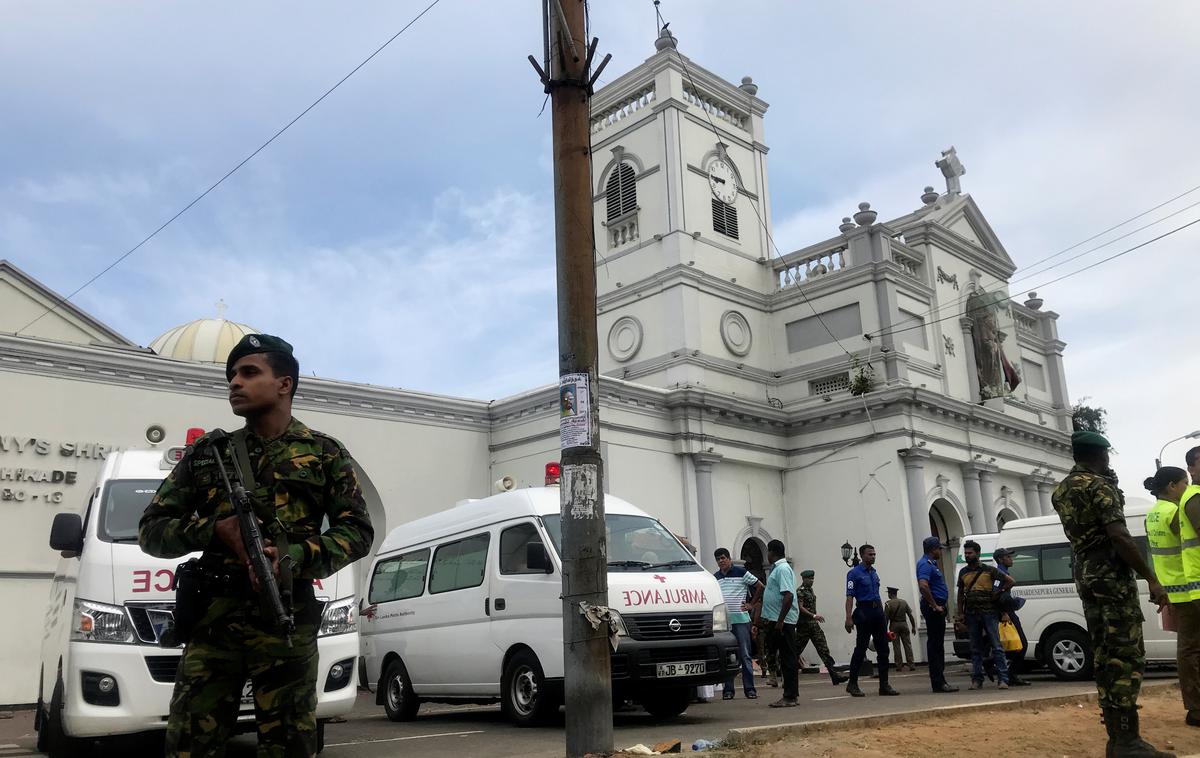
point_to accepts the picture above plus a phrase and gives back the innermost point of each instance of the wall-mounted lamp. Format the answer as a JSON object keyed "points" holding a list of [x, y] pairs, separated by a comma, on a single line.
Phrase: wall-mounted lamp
{"points": [[848, 555]]}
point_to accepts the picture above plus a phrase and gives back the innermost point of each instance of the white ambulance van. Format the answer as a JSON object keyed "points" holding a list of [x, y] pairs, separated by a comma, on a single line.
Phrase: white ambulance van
{"points": [[1052, 616], [103, 672], [464, 607]]}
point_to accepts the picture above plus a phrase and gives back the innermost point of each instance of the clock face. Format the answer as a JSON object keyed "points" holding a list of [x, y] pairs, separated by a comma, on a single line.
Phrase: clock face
{"points": [[722, 181]]}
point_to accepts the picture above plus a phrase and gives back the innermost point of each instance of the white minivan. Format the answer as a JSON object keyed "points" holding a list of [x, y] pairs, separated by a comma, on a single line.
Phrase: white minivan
{"points": [[103, 672], [465, 608], [1052, 616]]}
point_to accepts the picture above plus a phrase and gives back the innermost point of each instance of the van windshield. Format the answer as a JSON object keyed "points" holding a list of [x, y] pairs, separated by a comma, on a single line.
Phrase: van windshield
{"points": [[635, 543], [121, 506]]}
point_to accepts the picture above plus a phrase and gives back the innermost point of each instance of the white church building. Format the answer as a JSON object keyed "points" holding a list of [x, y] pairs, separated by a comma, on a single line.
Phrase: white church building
{"points": [[740, 399]]}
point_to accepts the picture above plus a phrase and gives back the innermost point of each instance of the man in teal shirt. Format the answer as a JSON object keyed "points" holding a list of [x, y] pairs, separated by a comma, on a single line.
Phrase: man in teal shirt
{"points": [[779, 608]]}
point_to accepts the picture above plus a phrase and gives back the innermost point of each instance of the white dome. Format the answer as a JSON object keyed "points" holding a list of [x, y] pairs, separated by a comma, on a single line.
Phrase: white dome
{"points": [[207, 340]]}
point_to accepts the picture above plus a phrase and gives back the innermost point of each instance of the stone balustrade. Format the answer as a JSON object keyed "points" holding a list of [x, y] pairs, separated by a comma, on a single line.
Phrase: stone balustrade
{"points": [[622, 231], [909, 260], [623, 109], [803, 266], [1025, 323], [716, 109]]}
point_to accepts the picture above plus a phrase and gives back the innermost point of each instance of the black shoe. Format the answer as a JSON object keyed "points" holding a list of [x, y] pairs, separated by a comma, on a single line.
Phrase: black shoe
{"points": [[853, 689], [943, 687], [887, 689], [1193, 718], [838, 678], [1124, 740], [1015, 682]]}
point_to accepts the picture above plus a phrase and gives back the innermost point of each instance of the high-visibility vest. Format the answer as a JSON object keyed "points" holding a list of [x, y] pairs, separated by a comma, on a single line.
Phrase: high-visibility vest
{"points": [[1166, 551], [1190, 542]]}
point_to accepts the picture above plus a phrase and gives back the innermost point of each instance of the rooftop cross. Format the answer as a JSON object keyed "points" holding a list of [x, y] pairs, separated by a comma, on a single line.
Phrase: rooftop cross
{"points": [[952, 169]]}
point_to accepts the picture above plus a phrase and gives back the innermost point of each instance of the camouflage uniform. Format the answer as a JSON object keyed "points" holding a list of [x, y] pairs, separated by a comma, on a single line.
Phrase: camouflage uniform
{"points": [[808, 630], [1087, 502], [302, 478]]}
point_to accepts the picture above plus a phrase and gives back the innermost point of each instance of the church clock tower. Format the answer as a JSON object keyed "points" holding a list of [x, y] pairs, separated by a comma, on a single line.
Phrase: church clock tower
{"points": [[682, 249]]}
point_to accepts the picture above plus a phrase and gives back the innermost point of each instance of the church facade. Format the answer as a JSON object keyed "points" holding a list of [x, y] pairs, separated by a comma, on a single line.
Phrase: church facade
{"points": [[740, 397]]}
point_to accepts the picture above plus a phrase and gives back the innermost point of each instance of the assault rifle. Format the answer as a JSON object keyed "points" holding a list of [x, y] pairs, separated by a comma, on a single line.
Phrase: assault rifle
{"points": [[252, 539]]}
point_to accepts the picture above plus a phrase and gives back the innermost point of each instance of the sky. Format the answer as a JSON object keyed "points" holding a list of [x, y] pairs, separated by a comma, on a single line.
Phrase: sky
{"points": [[401, 233]]}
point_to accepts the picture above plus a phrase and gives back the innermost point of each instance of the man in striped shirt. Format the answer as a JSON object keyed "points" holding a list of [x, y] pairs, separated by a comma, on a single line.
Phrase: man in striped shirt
{"points": [[737, 587]]}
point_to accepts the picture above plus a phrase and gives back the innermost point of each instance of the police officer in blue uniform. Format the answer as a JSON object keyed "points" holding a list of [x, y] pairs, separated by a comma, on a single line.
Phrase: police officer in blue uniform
{"points": [[862, 588], [934, 597]]}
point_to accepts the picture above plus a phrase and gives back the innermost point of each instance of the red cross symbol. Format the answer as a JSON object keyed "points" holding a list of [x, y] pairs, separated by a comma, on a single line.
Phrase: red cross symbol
{"points": [[662, 579]]}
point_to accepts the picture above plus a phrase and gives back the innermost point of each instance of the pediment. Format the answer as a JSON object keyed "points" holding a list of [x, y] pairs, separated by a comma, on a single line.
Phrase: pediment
{"points": [[966, 220], [25, 299]]}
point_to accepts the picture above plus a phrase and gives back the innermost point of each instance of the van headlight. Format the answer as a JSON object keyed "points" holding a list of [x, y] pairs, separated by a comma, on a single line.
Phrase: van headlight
{"points": [[97, 622], [618, 622], [340, 617], [720, 618]]}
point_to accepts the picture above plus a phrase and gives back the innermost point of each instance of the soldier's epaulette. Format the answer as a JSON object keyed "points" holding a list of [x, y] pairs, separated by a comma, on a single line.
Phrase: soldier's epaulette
{"points": [[322, 436]]}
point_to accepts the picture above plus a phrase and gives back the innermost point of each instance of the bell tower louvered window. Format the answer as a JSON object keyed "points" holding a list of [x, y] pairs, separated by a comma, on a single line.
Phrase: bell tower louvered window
{"points": [[724, 218], [622, 191]]}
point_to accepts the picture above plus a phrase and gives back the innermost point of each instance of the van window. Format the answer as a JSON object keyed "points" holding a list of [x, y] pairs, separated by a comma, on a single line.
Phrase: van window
{"points": [[1026, 568], [124, 502], [1056, 564], [399, 578], [459, 565], [635, 543], [513, 542]]}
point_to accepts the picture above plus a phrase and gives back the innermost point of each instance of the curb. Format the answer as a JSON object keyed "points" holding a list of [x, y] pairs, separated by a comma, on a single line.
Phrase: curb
{"points": [[758, 734]]}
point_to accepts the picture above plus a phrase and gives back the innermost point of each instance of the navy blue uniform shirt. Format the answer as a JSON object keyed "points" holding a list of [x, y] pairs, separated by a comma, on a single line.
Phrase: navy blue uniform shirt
{"points": [[928, 570], [862, 583]]}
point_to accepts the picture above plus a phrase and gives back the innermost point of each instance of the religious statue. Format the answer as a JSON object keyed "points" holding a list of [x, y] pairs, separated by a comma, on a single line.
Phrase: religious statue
{"points": [[997, 377], [952, 169]]}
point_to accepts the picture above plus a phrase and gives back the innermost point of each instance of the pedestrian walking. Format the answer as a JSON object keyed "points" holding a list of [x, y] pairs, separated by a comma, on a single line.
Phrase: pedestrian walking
{"points": [[899, 617], [809, 627], [1009, 605], [779, 608], [1164, 531], [935, 596], [737, 589], [979, 588], [864, 613], [1105, 562], [297, 478]]}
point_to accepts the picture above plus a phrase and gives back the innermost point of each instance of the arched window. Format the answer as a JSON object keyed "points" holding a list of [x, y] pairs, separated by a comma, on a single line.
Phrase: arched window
{"points": [[621, 190]]}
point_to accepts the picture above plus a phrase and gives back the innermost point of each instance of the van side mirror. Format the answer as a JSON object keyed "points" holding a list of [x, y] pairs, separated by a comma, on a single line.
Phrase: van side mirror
{"points": [[66, 534], [537, 559]]}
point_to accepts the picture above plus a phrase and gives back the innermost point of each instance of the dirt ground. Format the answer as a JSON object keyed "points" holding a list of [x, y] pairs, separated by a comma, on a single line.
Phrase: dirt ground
{"points": [[1071, 729]]}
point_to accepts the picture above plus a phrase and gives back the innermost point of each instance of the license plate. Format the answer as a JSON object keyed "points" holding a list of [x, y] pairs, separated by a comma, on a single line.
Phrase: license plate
{"points": [[686, 668], [248, 694]]}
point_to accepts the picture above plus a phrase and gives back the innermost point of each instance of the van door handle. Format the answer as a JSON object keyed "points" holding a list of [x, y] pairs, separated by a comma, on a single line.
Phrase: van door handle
{"points": [[487, 608], [500, 604]]}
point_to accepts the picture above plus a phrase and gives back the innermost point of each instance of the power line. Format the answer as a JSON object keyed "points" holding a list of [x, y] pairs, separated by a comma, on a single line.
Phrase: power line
{"points": [[231, 172], [753, 205], [1011, 298]]}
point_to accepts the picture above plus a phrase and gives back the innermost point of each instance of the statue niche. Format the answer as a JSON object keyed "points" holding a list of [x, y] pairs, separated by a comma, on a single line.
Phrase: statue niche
{"points": [[989, 312]]}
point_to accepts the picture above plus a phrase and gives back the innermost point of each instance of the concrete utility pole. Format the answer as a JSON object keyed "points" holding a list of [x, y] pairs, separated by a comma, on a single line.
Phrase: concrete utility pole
{"points": [[588, 686]]}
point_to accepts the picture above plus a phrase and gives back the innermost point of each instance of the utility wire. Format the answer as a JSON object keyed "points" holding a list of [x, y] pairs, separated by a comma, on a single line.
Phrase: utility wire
{"points": [[1064, 276], [231, 172], [753, 205]]}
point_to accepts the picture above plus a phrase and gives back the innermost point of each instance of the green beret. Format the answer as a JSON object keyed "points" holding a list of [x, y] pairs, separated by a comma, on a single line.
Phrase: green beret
{"points": [[252, 344], [1090, 439], [807, 574]]}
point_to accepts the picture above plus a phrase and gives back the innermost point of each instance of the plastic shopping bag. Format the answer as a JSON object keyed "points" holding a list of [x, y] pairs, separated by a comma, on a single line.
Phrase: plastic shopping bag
{"points": [[1009, 638]]}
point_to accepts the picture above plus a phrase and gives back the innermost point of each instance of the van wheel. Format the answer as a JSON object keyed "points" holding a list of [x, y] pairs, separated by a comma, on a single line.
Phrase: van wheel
{"points": [[1069, 655], [52, 740], [524, 696], [399, 700], [666, 704]]}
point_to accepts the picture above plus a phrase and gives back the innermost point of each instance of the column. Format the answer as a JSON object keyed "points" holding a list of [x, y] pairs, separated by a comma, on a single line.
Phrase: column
{"points": [[914, 473], [1045, 488], [975, 510], [707, 538], [1033, 500], [969, 353], [988, 495]]}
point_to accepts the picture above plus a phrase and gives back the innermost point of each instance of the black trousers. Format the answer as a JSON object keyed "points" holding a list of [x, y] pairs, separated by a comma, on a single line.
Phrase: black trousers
{"points": [[784, 643], [935, 645], [870, 624]]}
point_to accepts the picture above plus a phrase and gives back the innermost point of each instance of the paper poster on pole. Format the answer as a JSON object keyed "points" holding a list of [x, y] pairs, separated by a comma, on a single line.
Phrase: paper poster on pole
{"points": [[574, 411], [580, 490]]}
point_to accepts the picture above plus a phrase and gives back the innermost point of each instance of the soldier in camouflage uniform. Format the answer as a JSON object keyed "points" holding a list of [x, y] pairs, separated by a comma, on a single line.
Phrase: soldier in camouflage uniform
{"points": [[808, 629], [1105, 562], [301, 478]]}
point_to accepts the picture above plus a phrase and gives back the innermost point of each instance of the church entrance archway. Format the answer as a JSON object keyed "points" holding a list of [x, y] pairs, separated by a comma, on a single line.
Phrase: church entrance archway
{"points": [[753, 556], [945, 524], [1004, 516]]}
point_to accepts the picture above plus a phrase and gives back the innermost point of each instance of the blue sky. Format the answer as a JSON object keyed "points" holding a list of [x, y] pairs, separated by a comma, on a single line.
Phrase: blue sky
{"points": [[401, 233]]}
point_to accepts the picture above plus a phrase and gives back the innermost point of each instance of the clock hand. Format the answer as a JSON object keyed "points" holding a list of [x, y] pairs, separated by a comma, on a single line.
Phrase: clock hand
{"points": [[718, 179]]}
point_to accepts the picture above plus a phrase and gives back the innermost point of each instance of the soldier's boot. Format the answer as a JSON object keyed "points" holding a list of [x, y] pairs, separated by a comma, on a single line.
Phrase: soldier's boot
{"points": [[838, 678], [1124, 740]]}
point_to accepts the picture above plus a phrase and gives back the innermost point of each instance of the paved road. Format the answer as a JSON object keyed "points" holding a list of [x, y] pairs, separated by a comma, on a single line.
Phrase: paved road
{"points": [[481, 730]]}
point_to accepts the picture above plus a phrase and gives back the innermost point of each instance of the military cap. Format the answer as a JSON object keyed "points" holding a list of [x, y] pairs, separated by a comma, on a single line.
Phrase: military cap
{"points": [[807, 574], [1000, 552], [929, 543], [252, 344], [1090, 439], [892, 590]]}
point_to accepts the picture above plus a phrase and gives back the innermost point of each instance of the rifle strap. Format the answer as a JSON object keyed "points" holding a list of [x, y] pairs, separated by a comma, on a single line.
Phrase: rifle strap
{"points": [[243, 459]]}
